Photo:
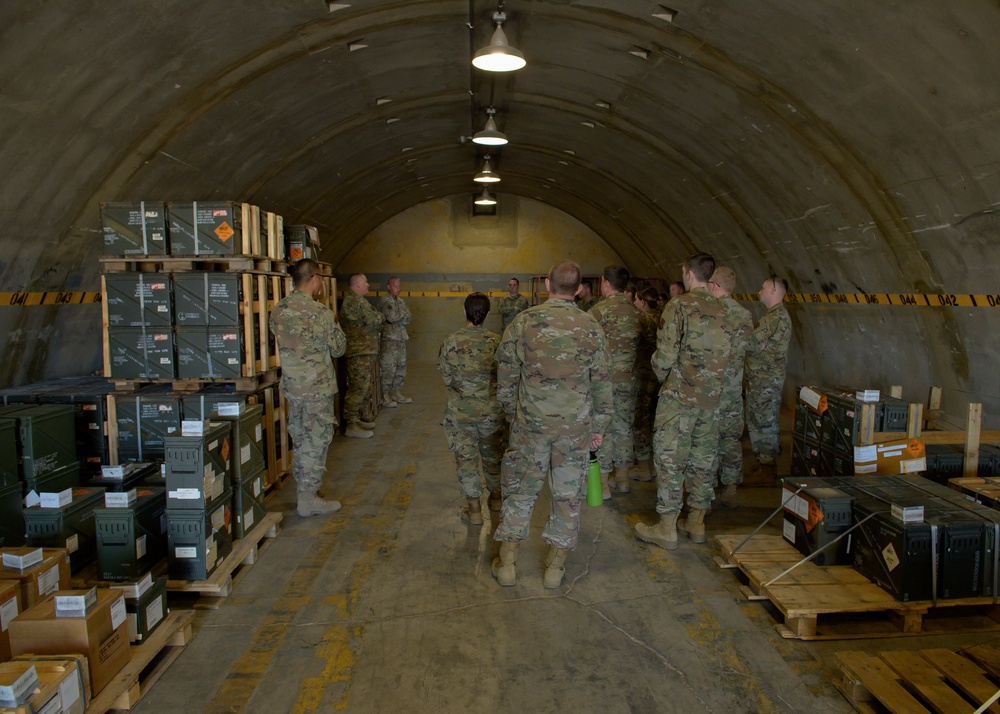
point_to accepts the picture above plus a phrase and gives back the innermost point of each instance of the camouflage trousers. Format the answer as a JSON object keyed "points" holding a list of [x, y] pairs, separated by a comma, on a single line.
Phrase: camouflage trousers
{"points": [[763, 406], [360, 371], [730, 445], [617, 448], [393, 361], [531, 459], [474, 442], [645, 410], [311, 423], [685, 442]]}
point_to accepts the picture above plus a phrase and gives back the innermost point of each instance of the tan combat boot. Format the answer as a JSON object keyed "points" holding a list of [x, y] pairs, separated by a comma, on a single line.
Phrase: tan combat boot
{"points": [[495, 501], [642, 471], [694, 526], [605, 490], [504, 566], [555, 569], [315, 506], [388, 401], [354, 431], [727, 497], [472, 512], [621, 480], [663, 534], [400, 399], [365, 424]]}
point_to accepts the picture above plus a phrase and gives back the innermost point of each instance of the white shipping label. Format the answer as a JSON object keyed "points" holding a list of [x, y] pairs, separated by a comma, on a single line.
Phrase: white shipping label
{"points": [[209, 472], [140, 547], [69, 691], [219, 519], [865, 468], [133, 627], [228, 409], [892, 454], [164, 360], [73, 543], [909, 466], [810, 397], [248, 518], [260, 436], [185, 552], [233, 360], [214, 445], [154, 613], [256, 486], [864, 454], [184, 494], [244, 453], [788, 530], [118, 612], [8, 611], [209, 482], [799, 506], [48, 582]]}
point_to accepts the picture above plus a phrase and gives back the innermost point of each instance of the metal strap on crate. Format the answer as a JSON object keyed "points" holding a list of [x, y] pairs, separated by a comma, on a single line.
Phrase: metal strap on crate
{"points": [[142, 221], [767, 520], [138, 425], [194, 225], [820, 550], [142, 322]]}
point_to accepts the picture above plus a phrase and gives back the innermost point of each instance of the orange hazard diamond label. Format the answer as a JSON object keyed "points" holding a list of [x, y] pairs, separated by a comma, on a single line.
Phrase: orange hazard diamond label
{"points": [[224, 231], [225, 450]]}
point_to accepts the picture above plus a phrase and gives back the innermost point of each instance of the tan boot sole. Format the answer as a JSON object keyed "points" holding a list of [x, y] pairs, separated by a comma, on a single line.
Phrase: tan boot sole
{"points": [[642, 531]]}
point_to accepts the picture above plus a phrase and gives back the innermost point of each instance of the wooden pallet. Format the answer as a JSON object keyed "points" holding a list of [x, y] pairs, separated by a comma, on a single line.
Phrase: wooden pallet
{"points": [[148, 663], [837, 602], [932, 680], [242, 384], [985, 491], [246, 551], [189, 263]]}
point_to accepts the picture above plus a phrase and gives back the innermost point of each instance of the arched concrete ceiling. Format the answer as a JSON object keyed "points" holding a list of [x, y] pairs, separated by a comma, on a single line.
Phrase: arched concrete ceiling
{"points": [[844, 142]]}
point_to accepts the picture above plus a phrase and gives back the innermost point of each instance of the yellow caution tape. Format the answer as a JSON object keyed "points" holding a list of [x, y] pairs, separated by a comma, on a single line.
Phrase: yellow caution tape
{"points": [[25, 299]]}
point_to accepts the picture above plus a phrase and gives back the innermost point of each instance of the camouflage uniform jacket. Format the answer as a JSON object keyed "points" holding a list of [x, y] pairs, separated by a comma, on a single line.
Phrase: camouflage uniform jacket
{"points": [[692, 350], [467, 362], [553, 370], [362, 323], [648, 324], [510, 307], [309, 338], [397, 317], [769, 345], [585, 305], [739, 327], [620, 321]]}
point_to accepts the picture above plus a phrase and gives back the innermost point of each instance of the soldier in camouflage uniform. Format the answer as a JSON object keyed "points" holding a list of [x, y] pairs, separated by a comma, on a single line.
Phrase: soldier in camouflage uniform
{"points": [[473, 420], [692, 350], [394, 337], [765, 368], [512, 304], [738, 325], [553, 381], [362, 323], [308, 341], [620, 320], [647, 385], [586, 299]]}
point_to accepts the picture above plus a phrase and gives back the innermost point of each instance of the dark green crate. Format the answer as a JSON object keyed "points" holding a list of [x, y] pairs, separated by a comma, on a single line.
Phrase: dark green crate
{"points": [[246, 441], [139, 300], [206, 403], [70, 527], [46, 438], [136, 474], [199, 540], [209, 352], [198, 467], [205, 228], [130, 541], [91, 417], [147, 612], [248, 504], [54, 481], [135, 353], [144, 421], [11, 516], [207, 299], [134, 228], [8, 453]]}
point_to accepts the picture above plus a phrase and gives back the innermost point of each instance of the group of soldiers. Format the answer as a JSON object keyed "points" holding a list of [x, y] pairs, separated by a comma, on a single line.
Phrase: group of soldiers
{"points": [[621, 378], [309, 339]]}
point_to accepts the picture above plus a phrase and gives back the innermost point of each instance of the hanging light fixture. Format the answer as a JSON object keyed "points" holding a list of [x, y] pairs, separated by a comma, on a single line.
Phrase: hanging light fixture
{"points": [[498, 56], [490, 136], [487, 175], [485, 199]]}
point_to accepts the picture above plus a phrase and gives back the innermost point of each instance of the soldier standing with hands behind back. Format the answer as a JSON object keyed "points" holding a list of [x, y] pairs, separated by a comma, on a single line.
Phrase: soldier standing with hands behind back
{"points": [[308, 341], [512, 304], [394, 337], [362, 323]]}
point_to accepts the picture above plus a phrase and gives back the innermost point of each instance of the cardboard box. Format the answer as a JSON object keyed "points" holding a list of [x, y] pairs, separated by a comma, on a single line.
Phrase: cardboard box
{"points": [[102, 635], [43, 579], [10, 607], [62, 684], [905, 456]]}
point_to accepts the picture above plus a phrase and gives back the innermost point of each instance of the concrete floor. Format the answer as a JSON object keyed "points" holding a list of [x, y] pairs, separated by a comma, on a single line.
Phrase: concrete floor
{"points": [[389, 606]]}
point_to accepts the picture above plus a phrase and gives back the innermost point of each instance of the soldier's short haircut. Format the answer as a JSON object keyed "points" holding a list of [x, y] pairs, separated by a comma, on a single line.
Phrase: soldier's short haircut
{"points": [[515, 280], [650, 296], [477, 306], [351, 281], [564, 278], [617, 276], [303, 271], [394, 277], [702, 265], [725, 278]]}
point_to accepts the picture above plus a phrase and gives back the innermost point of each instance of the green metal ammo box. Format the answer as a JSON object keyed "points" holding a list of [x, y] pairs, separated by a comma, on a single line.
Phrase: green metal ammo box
{"points": [[11, 516], [70, 527], [248, 504], [8, 453], [198, 467], [46, 438], [247, 441], [198, 540], [131, 540]]}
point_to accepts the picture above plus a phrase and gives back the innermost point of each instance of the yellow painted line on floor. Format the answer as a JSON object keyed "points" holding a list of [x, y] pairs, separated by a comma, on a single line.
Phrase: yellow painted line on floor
{"points": [[706, 631], [248, 671], [336, 647]]}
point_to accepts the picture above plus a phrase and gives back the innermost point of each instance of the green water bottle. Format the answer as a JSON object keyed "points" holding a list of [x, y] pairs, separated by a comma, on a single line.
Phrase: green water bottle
{"points": [[595, 494]]}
